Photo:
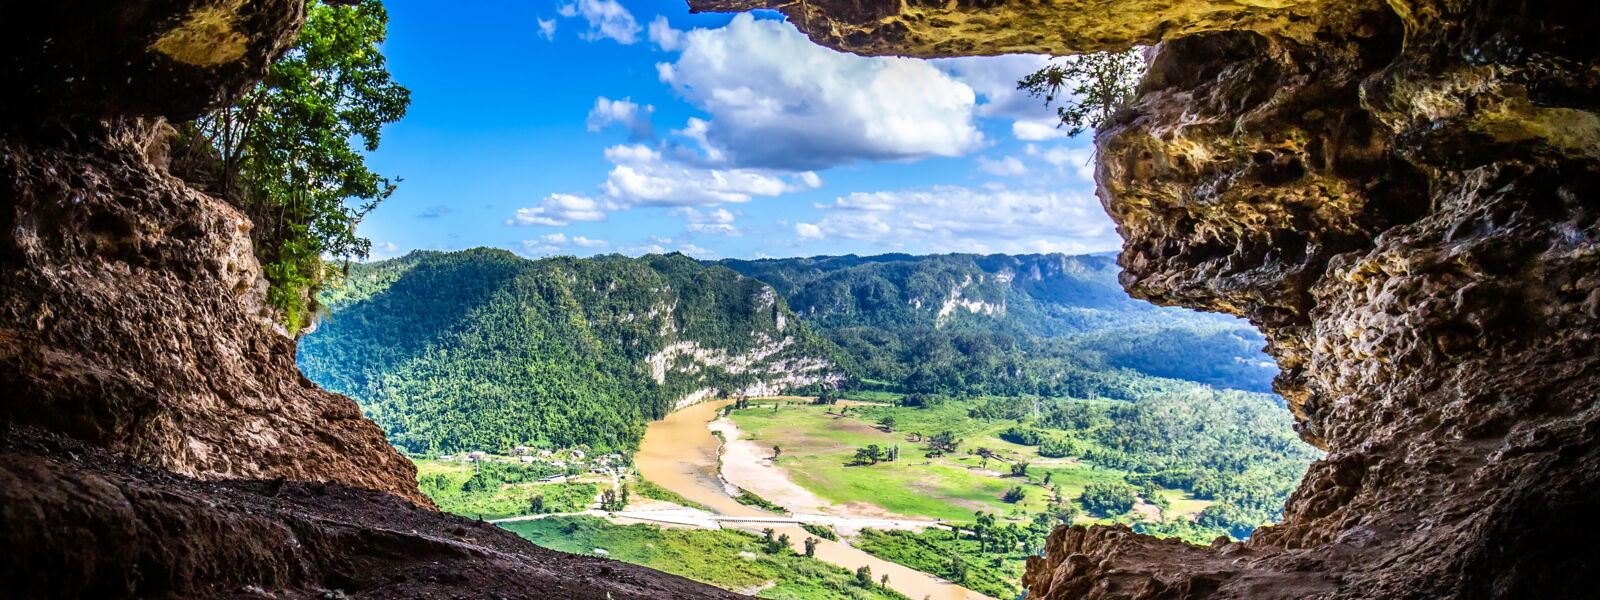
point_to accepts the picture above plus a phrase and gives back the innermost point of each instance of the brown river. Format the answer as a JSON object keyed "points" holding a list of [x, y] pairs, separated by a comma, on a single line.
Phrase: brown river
{"points": [[679, 453]]}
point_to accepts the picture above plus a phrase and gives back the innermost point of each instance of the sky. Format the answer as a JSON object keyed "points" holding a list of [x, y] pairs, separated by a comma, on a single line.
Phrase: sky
{"points": [[597, 126]]}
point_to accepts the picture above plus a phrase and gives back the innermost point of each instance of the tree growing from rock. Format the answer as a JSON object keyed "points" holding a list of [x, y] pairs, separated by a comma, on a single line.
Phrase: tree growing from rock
{"points": [[1089, 87]]}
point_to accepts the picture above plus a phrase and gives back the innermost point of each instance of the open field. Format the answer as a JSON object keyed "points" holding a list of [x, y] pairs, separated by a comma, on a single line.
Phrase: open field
{"points": [[450, 486], [726, 558], [819, 446]]}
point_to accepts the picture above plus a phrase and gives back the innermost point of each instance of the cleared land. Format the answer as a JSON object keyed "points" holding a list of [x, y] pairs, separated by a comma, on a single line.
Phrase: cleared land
{"points": [[819, 447]]}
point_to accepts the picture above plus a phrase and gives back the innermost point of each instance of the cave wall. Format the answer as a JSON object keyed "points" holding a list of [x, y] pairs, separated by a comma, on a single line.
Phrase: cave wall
{"points": [[132, 309], [1404, 198]]}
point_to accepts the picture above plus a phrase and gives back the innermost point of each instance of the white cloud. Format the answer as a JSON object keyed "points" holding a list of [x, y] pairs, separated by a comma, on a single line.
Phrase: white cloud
{"points": [[382, 250], [722, 229], [1039, 130], [779, 101], [720, 216], [663, 35], [1077, 161], [560, 209], [642, 178], [1006, 166], [960, 219], [710, 222], [661, 245], [547, 28], [994, 78], [559, 243], [633, 117], [607, 20]]}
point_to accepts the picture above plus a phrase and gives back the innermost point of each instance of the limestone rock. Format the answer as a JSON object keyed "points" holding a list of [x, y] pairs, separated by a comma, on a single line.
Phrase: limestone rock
{"points": [[85, 524], [1403, 197]]}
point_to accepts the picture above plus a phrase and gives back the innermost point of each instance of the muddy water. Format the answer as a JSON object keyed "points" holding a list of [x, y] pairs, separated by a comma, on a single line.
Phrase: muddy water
{"points": [[680, 454]]}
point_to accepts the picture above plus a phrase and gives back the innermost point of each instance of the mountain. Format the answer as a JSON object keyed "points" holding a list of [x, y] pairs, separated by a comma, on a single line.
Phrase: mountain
{"points": [[482, 349], [1047, 324]]}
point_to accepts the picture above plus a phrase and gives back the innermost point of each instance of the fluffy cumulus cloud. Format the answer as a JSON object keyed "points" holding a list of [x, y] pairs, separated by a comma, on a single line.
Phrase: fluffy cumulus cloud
{"points": [[1079, 162], [557, 210], [779, 101], [606, 18], [717, 221], [1036, 130], [661, 245], [961, 219], [383, 250], [560, 243], [1005, 166], [632, 117], [663, 35], [643, 177], [994, 79]]}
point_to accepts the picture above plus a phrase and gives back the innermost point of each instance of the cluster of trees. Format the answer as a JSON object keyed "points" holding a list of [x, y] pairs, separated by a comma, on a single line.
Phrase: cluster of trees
{"points": [[1057, 326], [1234, 447], [283, 153], [484, 350], [872, 454]]}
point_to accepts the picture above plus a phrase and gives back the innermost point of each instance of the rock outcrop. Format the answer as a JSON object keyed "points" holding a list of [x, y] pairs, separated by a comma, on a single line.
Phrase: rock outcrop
{"points": [[132, 308], [1404, 197], [156, 439], [81, 523]]}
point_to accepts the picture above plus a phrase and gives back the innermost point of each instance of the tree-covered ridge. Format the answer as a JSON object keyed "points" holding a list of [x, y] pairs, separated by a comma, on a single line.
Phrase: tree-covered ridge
{"points": [[482, 349], [1046, 324]]}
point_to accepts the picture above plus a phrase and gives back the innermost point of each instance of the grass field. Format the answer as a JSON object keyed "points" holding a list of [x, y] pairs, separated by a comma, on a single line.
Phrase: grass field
{"points": [[930, 551], [819, 447], [501, 501], [725, 558]]}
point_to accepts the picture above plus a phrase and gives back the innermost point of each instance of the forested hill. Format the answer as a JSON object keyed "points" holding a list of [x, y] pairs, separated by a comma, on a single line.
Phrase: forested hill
{"points": [[1047, 324], [482, 349]]}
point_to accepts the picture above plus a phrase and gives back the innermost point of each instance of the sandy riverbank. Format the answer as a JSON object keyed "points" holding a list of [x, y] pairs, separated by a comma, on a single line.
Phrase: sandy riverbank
{"points": [[679, 453]]}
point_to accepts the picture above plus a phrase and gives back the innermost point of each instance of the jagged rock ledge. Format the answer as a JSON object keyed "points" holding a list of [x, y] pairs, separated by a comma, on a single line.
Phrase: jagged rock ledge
{"points": [[1402, 196]]}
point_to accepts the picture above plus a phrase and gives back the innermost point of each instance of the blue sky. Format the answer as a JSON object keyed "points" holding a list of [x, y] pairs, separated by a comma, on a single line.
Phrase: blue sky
{"points": [[598, 126]]}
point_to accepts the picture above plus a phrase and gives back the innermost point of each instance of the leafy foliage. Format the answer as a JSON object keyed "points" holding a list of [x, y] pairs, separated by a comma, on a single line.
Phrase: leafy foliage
{"points": [[484, 350], [1097, 85], [1108, 499], [284, 155], [1049, 325], [727, 558]]}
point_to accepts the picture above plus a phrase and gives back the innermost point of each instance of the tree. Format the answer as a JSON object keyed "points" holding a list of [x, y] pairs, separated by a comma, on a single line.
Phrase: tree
{"points": [[1014, 495], [536, 505], [1020, 469], [864, 576], [811, 547], [958, 569], [1107, 499], [887, 422], [869, 455], [1098, 83], [776, 451], [884, 581], [283, 152]]}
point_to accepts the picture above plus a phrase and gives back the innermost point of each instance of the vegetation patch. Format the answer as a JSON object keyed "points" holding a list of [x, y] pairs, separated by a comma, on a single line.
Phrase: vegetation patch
{"points": [[496, 490], [726, 558]]}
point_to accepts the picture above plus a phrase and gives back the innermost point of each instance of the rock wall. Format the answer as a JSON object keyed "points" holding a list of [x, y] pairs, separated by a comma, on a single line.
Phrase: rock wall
{"points": [[135, 352], [132, 310], [1404, 198]]}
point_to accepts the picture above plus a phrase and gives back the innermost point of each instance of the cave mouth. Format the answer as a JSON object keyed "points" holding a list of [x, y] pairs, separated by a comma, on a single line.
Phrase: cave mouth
{"points": [[1426, 163]]}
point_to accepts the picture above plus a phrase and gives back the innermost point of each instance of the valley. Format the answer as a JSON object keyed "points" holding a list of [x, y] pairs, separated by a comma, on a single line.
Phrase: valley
{"points": [[945, 412]]}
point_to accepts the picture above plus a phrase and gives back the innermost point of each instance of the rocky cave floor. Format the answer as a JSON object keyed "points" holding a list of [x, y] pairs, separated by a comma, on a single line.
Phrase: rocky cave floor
{"points": [[141, 531]]}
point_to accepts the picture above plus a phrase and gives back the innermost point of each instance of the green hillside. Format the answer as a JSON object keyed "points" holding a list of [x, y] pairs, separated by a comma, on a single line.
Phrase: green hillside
{"points": [[482, 349], [1046, 324]]}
